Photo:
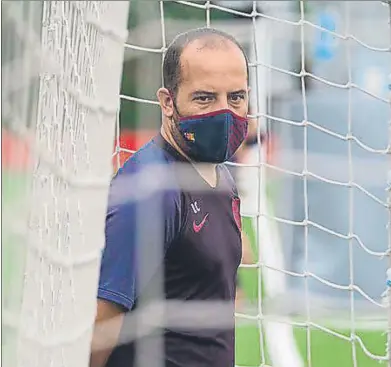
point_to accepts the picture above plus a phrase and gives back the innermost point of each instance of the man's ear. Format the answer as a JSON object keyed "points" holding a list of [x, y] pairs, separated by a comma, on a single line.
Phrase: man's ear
{"points": [[166, 103]]}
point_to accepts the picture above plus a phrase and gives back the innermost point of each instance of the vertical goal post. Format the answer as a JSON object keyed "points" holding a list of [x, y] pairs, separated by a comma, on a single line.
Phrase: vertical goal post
{"points": [[60, 50]]}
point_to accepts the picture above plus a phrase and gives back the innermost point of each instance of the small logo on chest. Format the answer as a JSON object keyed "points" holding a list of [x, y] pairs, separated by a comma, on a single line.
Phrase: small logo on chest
{"points": [[196, 209], [198, 227], [236, 212]]}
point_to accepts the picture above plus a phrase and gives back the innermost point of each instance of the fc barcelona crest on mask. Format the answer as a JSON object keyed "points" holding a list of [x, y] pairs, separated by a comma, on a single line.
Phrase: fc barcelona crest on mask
{"points": [[236, 212], [190, 136]]}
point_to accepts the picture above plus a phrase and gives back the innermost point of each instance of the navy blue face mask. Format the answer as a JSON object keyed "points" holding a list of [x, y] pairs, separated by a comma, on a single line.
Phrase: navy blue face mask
{"points": [[213, 137]]}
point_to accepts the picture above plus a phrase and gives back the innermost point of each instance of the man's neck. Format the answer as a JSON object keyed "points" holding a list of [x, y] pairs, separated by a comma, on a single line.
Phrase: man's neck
{"points": [[206, 170]]}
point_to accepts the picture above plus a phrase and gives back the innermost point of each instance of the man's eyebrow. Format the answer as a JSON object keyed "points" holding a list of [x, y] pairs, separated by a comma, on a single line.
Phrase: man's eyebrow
{"points": [[203, 93], [241, 91]]}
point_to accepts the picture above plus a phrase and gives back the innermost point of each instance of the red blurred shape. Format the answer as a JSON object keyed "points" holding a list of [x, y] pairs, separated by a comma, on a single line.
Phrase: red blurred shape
{"points": [[131, 141], [15, 152]]}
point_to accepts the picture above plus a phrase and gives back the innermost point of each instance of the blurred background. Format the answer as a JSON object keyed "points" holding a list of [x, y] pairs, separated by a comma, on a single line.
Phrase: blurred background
{"points": [[319, 96], [344, 143]]}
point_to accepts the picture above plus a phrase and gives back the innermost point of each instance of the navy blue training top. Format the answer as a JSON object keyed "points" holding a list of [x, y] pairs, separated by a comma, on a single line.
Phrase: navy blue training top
{"points": [[188, 239]]}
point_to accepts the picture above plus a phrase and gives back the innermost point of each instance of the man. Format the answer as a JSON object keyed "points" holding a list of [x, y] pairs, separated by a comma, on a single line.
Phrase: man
{"points": [[204, 106]]}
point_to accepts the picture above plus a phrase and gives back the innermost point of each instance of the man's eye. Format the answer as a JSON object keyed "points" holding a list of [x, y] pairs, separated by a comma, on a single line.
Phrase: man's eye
{"points": [[203, 98], [236, 97]]}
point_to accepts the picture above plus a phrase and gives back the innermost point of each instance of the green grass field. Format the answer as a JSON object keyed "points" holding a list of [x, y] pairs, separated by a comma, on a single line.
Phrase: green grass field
{"points": [[12, 261], [326, 350]]}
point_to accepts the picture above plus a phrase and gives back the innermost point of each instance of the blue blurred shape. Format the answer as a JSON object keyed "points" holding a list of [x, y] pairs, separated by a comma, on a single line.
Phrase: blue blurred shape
{"points": [[325, 42]]}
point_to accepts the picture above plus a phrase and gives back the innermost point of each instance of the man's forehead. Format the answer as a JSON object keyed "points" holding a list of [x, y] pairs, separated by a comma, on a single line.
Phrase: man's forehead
{"points": [[219, 55], [210, 42]]}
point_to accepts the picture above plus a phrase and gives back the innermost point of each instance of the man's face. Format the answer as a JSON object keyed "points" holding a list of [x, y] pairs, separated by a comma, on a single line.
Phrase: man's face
{"points": [[212, 78]]}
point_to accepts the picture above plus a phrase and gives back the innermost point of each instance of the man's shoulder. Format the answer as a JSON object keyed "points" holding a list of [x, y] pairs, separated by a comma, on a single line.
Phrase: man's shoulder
{"points": [[150, 154], [150, 160], [147, 173]]}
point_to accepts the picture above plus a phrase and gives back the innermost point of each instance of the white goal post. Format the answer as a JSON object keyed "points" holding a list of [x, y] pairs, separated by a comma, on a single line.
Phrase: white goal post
{"points": [[72, 53]]}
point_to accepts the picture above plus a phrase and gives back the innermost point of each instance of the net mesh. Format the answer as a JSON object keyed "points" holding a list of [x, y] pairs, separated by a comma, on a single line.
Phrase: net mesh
{"points": [[314, 204], [60, 104], [318, 74]]}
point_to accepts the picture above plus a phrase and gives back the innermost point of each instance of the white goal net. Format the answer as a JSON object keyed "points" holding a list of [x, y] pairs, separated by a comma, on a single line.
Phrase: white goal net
{"points": [[315, 206], [59, 106]]}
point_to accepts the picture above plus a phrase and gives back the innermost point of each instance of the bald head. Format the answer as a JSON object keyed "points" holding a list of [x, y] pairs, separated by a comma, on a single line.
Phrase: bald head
{"points": [[195, 41]]}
